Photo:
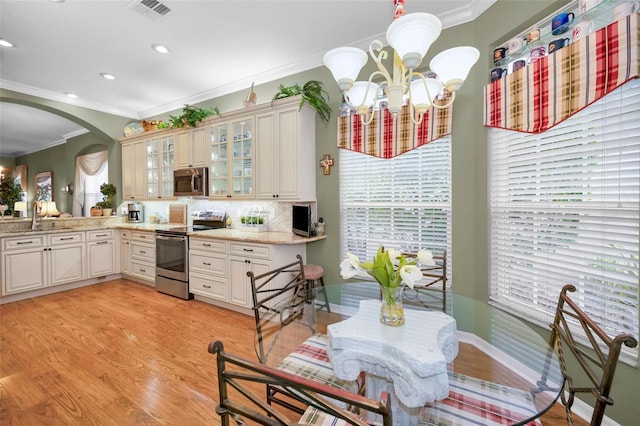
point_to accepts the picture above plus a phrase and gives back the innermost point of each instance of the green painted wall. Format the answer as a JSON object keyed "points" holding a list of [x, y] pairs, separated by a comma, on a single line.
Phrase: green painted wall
{"points": [[104, 130], [469, 163]]}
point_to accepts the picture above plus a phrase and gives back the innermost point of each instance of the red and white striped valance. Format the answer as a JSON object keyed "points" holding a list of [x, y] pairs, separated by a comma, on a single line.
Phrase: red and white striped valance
{"points": [[548, 91], [385, 138]]}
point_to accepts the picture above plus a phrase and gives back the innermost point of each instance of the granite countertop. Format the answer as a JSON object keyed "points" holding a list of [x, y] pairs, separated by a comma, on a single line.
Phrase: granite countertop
{"points": [[256, 237], [142, 226], [223, 234]]}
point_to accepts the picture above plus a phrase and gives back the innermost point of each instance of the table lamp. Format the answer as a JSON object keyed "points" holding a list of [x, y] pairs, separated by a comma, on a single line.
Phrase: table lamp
{"points": [[49, 209], [20, 207]]}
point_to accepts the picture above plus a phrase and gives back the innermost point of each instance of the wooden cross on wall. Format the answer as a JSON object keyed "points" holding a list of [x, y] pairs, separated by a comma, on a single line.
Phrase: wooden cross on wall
{"points": [[326, 163]]}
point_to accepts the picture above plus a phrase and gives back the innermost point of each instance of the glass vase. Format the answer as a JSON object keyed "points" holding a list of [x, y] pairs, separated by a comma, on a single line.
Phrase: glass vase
{"points": [[391, 310]]}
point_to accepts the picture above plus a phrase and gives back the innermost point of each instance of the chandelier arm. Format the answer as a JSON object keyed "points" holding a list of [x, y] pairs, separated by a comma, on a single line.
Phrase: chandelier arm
{"points": [[412, 110], [376, 96], [420, 114], [367, 122], [378, 58], [448, 104], [426, 86]]}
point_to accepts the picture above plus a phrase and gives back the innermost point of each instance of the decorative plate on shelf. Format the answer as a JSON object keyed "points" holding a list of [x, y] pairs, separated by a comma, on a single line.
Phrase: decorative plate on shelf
{"points": [[133, 128]]}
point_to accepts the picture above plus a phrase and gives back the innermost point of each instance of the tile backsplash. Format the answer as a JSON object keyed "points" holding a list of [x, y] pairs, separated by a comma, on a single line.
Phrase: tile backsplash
{"points": [[279, 212]]}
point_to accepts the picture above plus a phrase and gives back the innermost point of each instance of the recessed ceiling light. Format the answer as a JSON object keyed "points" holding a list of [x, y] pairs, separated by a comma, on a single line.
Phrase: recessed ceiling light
{"points": [[160, 48], [108, 76], [5, 43], [69, 94]]}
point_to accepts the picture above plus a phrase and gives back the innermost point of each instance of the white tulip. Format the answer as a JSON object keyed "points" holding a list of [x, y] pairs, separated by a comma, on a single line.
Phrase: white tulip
{"points": [[410, 274], [425, 257]]}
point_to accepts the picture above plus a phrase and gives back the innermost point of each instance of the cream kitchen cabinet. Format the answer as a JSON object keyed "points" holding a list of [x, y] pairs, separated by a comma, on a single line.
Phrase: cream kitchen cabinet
{"points": [[143, 257], [208, 268], [285, 153], [218, 268], [265, 152], [240, 284], [101, 253], [231, 173], [134, 170], [192, 148], [24, 264], [125, 251], [159, 166], [33, 262], [258, 258]]}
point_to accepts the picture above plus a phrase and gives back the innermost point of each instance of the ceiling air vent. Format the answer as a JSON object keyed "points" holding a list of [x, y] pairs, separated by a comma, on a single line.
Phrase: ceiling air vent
{"points": [[152, 9]]}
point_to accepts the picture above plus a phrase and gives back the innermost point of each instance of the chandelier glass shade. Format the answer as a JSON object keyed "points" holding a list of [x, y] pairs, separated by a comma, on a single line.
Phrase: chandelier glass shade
{"points": [[410, 36]]}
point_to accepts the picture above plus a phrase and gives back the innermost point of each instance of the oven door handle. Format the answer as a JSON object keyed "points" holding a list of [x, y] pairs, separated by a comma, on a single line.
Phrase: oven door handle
{"points": [[162, 237]]}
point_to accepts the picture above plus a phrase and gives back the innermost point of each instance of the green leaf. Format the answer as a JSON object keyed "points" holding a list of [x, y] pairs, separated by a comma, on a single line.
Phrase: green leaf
{"points": [[312, 92]]}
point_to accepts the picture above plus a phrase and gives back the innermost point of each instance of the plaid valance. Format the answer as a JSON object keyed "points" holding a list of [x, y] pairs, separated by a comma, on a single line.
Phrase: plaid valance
{"points": [[548, 91], [385, 138]]}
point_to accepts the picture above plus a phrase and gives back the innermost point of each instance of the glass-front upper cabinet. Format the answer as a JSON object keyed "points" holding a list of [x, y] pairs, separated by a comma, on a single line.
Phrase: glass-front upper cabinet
{"points": [[160, 157], [231, 174]]}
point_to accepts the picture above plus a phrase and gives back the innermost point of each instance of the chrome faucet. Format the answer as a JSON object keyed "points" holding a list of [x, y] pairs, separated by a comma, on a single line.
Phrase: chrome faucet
{"points": [[34, 220]]}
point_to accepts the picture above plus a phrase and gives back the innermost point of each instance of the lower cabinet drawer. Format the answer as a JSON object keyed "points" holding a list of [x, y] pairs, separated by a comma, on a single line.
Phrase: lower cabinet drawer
{"points": [[208, 263], [213, 287], [143, 269], [104, 234], [259, 251], [143, 251]]}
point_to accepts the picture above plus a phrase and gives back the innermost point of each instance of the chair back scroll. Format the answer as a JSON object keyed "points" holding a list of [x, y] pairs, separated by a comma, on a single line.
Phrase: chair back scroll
{"points": [[598, 360], [247, 378], [279, 297]]}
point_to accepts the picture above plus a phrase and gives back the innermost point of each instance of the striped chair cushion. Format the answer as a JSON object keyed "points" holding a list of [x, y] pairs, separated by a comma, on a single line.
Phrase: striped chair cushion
{"points": [[475, 402], [310, 360], [314, 417]]}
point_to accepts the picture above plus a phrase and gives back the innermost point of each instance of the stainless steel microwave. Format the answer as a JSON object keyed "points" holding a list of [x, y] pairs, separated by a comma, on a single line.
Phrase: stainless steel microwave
{"points": [[191, 182]]}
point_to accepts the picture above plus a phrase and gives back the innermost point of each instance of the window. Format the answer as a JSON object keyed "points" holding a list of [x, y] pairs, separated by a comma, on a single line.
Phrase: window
{"points": [[403, 202], [92, 170], [564, 208]]}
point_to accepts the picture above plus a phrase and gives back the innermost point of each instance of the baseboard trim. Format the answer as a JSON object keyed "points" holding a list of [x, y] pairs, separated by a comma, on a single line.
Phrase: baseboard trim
{"points": [[580, 408]]}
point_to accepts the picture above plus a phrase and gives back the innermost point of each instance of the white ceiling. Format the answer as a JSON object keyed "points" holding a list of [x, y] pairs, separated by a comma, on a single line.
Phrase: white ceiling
{"points": [[216, 47]]}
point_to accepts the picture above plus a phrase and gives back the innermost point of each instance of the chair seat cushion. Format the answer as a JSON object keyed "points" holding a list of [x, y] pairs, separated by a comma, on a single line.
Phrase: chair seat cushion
{"points": [[474, 401], [310, 360], [313, 272], [314, 417]]}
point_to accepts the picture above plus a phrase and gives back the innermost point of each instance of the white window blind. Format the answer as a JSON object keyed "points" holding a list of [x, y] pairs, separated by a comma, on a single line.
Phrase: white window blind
{"points": [[564, 208], [403, 202]]}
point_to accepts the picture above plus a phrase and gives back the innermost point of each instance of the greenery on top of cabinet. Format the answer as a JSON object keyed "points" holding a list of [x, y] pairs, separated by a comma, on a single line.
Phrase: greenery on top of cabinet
{"points": [[312, 92], [192, 115]]}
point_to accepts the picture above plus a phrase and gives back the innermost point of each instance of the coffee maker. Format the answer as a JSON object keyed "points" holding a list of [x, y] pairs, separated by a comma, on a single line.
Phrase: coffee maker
{"points": [[135, 213]]}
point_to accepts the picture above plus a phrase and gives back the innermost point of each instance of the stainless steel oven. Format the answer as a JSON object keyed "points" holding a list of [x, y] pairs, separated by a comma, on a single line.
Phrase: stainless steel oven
{"points": [[172, 262], [172, 253]]}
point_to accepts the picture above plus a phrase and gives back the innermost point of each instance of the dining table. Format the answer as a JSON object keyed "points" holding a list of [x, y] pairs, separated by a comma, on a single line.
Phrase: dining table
{"points": [[463, 359]]}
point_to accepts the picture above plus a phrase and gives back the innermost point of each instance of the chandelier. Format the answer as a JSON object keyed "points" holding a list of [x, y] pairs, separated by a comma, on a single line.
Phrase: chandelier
{"points": [[410, 36]]}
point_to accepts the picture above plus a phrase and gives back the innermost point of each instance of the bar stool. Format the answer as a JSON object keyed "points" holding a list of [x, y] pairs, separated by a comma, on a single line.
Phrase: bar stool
{"points": [[313, 274]]}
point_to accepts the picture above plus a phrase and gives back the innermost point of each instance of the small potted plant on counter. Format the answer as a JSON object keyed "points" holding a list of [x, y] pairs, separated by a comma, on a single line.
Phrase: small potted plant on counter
{"points": [[10, 192], [108, 191]]}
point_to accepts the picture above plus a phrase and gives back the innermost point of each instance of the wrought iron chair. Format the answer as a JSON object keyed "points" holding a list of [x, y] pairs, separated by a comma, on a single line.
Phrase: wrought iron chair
{"points": [[598, 358], [432, 291], [244, 376], [282, 323]]}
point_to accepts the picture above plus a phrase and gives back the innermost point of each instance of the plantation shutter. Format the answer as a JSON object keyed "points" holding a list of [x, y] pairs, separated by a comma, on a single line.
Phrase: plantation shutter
{"points": [[564, 208], [403, 202]]}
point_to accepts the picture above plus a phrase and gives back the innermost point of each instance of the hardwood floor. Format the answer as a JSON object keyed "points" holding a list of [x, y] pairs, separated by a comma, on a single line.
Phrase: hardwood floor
{"points": [[118, 353]]}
